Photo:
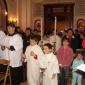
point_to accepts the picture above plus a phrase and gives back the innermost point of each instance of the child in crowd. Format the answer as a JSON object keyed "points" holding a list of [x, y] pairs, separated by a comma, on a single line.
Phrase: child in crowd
{"points": [[55, 41], [50, 65], [75, 75], [65, 57], [44, 41], [33, 55]]}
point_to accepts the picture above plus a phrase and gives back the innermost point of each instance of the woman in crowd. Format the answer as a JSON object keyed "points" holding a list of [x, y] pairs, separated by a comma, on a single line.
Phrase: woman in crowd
{"points": [[73, 41]]}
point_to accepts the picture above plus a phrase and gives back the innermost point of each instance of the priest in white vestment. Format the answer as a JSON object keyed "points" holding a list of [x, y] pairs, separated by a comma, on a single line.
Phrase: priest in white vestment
{"points": [[13, 50], [33, 55]]}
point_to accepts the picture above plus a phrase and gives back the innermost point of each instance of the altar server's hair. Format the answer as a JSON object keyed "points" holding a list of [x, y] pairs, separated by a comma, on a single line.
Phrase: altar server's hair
{"points": [[11, 24], [48, 45], [34, 37]]}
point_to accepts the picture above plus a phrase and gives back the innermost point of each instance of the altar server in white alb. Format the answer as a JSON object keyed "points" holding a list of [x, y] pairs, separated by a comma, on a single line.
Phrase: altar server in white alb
{"points": [[13, 50], [2, 37], [50, 66], [33, 55]]}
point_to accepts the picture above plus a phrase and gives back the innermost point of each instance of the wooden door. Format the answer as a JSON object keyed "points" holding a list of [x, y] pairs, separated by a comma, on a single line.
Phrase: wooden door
{"points": [[64, 14]]}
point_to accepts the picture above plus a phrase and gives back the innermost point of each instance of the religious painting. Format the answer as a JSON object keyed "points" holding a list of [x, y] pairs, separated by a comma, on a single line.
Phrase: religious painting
{"points": [[81, 24], [38, 24]]}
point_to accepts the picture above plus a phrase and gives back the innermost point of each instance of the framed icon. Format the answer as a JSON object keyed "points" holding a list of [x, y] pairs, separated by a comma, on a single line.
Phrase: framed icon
{"points": [[80, 22], [37, 25]]}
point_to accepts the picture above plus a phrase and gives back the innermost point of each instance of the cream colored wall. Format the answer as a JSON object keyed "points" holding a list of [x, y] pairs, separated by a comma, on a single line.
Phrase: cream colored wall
{"points": [[79, 11], [27, 10], [20, 9], [12, 7], [22, 14], [25, 13]]}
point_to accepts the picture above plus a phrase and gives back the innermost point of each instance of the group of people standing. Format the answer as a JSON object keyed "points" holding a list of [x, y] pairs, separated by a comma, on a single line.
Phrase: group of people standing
{"points": [[26, 48]]}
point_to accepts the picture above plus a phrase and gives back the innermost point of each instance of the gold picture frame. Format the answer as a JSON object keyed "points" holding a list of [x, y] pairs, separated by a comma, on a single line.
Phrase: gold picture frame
{"points": [[80, 22], [37, 25], [37, 22]]}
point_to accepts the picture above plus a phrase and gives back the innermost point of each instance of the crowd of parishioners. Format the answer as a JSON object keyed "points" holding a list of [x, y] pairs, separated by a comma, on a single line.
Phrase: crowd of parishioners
{"points": [[41, 57]]}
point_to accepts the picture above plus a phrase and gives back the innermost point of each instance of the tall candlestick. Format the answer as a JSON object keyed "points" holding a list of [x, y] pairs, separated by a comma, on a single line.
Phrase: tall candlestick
{"points": [[41, 29], [55, 24]]}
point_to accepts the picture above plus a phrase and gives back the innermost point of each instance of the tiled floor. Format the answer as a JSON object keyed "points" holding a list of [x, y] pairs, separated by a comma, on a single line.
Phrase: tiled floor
{"points": [[69, 82], [25, 83]]}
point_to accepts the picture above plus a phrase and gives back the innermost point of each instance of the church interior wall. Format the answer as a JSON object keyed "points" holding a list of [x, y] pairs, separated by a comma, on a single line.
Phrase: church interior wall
{"points": [[30, 9]]}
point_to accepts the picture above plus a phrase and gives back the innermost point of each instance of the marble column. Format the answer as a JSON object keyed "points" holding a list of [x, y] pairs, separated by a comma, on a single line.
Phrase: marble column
{"points": [[25, 13]]}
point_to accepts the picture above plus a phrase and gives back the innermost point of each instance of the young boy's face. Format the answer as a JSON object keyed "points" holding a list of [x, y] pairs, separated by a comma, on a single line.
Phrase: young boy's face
{"points": [[45, 37], [46, 50], [70, 33], [79, 56], [33, 42], [65, 43], [10, 29]]}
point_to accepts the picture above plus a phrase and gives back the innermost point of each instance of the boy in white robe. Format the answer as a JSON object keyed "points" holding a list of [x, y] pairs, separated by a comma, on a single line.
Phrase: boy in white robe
{"points": [[49, 64], [33, 54]]}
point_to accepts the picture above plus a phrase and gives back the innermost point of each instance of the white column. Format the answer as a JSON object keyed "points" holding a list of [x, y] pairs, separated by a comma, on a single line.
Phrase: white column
{"points": [[41, 29], [55, 24], [25, 13], [22, 14], [29, 13]]}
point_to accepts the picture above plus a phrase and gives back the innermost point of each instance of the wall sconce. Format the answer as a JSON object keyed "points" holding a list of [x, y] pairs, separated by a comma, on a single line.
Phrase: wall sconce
{"points": [[6, 13], [12, 20]]}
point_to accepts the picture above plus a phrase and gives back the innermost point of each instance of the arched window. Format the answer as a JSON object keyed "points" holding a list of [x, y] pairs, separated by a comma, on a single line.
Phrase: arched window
{"points": [[3, 14]]}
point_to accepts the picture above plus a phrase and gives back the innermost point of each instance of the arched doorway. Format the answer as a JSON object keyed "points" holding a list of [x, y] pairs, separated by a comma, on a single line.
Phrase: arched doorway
{"points": [[3, 14]]}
